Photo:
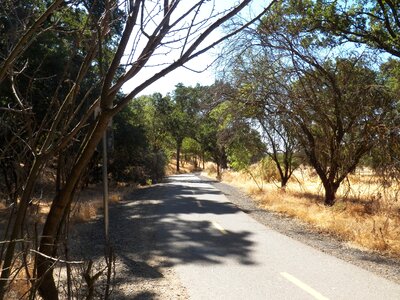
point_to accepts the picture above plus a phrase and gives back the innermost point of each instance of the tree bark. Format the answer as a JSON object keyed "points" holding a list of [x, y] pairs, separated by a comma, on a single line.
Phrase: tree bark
{"points": [[284, 181], [330, 193], [178, 154], [44, 264], [19, 221]]}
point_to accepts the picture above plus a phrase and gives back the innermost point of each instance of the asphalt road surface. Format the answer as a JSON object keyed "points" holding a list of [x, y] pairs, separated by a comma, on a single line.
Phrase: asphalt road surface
{"points": [[219, 252]]}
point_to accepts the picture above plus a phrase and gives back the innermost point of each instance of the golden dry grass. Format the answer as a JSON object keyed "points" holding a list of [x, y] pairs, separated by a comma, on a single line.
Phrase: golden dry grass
{"points": [[88, 207], [185, 167], [18, 289], [20, 285], [366, 214], [91, 202], [86, 211]]}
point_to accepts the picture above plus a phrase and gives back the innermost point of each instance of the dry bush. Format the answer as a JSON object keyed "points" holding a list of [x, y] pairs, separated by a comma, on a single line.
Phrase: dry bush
{"points": [[170, 169], [115, 198], [266, 170], [38, 210], [210, 168], [119, 190], [88, 207], [86, 211], [237, 178], [187, 167]]}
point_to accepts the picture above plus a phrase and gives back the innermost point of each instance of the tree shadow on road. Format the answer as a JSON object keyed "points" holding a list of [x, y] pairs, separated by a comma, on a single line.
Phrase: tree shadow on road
{"points": [[150, 230]]}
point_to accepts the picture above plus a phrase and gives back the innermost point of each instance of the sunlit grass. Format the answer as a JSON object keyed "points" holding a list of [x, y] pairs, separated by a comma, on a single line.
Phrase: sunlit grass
{"points": [[90, 204], [185, 167], [21, 284]]}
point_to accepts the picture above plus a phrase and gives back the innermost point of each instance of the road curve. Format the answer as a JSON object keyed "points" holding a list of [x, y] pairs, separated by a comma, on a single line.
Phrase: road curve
{"points": [[219, 252]]}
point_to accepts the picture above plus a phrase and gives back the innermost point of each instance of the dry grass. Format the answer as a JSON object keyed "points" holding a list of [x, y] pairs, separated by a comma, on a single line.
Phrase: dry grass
{"points": [[185, 167], [90, 204], [21, 284], [88, 207], [86, 211], [19, 287], [366, 214]]}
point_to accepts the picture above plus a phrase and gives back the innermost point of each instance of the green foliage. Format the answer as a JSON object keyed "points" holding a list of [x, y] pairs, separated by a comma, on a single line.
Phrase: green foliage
{"points": [[384, 158], [260, 97], [375, 23], [154, 120], [134, 157], [40, 81], [179, 115], [181, 112], [239, 158], [244, 146], [390, 75], [191, 147], [328, 96]]}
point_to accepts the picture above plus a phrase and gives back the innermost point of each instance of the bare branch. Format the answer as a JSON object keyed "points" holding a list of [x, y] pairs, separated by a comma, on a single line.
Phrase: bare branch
{"points": [[27, 38]]}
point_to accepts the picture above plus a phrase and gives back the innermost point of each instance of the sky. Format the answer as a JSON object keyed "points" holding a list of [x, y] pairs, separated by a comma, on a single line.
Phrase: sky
{"points": [[183, 75]]}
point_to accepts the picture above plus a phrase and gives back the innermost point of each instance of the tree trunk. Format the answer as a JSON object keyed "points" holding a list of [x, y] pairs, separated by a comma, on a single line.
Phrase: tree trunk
{"points": [[19, 220], [284, 181], [7, 183], [48, 248], [178, 154], [330, 193]]}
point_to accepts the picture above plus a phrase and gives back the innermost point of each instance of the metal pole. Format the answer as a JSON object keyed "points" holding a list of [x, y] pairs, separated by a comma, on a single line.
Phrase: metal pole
{"points": [[105, 187]]}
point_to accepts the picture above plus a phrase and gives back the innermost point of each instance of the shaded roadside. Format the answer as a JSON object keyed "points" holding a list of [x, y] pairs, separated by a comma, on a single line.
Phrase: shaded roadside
{"points": [[144, 225]]}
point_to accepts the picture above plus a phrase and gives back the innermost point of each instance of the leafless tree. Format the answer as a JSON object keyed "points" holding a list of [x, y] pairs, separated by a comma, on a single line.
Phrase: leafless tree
{"points": [[157, 29]]}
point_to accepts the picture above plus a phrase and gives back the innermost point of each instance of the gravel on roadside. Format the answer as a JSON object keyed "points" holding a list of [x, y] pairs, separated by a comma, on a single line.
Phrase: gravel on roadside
{"points": [[140, 273]]}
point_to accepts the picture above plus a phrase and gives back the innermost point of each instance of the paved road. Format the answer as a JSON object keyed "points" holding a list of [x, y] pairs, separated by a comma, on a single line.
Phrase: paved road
{"points": [[219, 252]]}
